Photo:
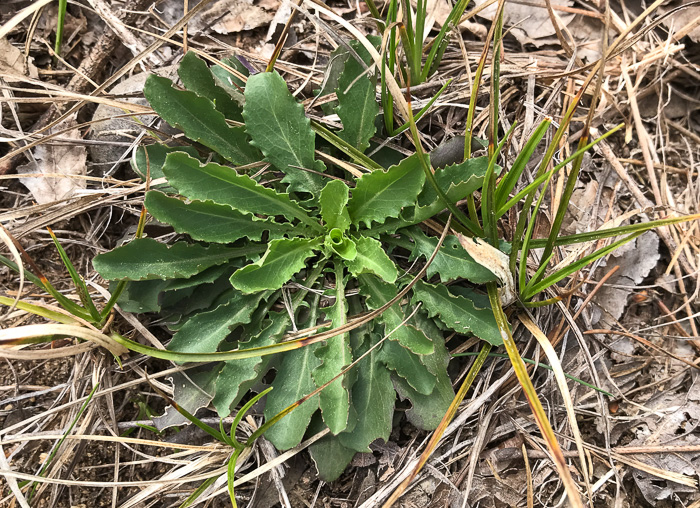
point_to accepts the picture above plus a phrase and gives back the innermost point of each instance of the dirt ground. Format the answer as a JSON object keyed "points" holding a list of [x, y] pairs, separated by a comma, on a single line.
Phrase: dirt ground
{"points": [[630, 326]]}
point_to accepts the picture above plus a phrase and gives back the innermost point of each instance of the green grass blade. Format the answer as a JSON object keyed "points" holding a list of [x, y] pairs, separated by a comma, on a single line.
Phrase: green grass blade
{"points": [[198, 492], [424, 109], [549, 154], [29, 275], [376, 15], [534, 287], [231, 477], [488, 204], [196, 421], [345, 147], [610, 232], [417, 50], [494, 100], [44, 284], [536, 183], [63, 438], [78, 281], [469, 123], [62, 7], [241, 413], [439, 44], [39, 311], [474, 228], [522, 269], [508, 182]]}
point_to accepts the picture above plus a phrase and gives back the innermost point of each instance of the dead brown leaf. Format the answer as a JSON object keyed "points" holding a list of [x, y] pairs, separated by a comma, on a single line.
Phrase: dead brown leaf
{"points": [[635, 263], [673, 421], [226, 17], [529, 23], [13, 63], [439, 10], [678, 20], [65, 161]]}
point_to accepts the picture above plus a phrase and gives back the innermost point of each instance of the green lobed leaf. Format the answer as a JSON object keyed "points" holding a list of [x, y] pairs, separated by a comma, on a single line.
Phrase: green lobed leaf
{"points": [[229, 82], [331, 457], [427, 410], [204, 332], [197, 78], [457, 312], [145, 258], [140, 296], [373, 397], [206, 277], [280, 129], [335, 355], [156, 159], [407, 365], [371, 258], [333, 200], [192, 390], [457, 181], [383, 194], [239, 376], [357, 105], [283, 258], [378, 294], [179, 306], [147, 295], [222, 185], [331, 76], [199, 120], [451, 262], [208, 221], [292, 382]]}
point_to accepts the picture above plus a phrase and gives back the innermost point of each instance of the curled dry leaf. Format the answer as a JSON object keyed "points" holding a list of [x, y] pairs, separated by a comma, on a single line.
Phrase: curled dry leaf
{"points": [[13, 64], [529, 23], [674, 422], [635, 264], [686, 18], [496, 261], [439, 10], [226, 17], [55, 167]]}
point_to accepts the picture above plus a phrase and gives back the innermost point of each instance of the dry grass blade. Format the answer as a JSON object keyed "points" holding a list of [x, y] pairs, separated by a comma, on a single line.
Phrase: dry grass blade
{"points": [[21, 15], [554, 362], [46, 354], [46, 330], [12, 482], [7, 240], [533, 399]]}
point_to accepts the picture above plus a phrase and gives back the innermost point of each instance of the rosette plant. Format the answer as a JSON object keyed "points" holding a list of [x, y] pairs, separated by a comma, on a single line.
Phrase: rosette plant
{"points": [[284, 225]]}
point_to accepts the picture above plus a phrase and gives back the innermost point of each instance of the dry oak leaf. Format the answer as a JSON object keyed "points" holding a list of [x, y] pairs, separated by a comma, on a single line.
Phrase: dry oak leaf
{"points": [[55, 167]]}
